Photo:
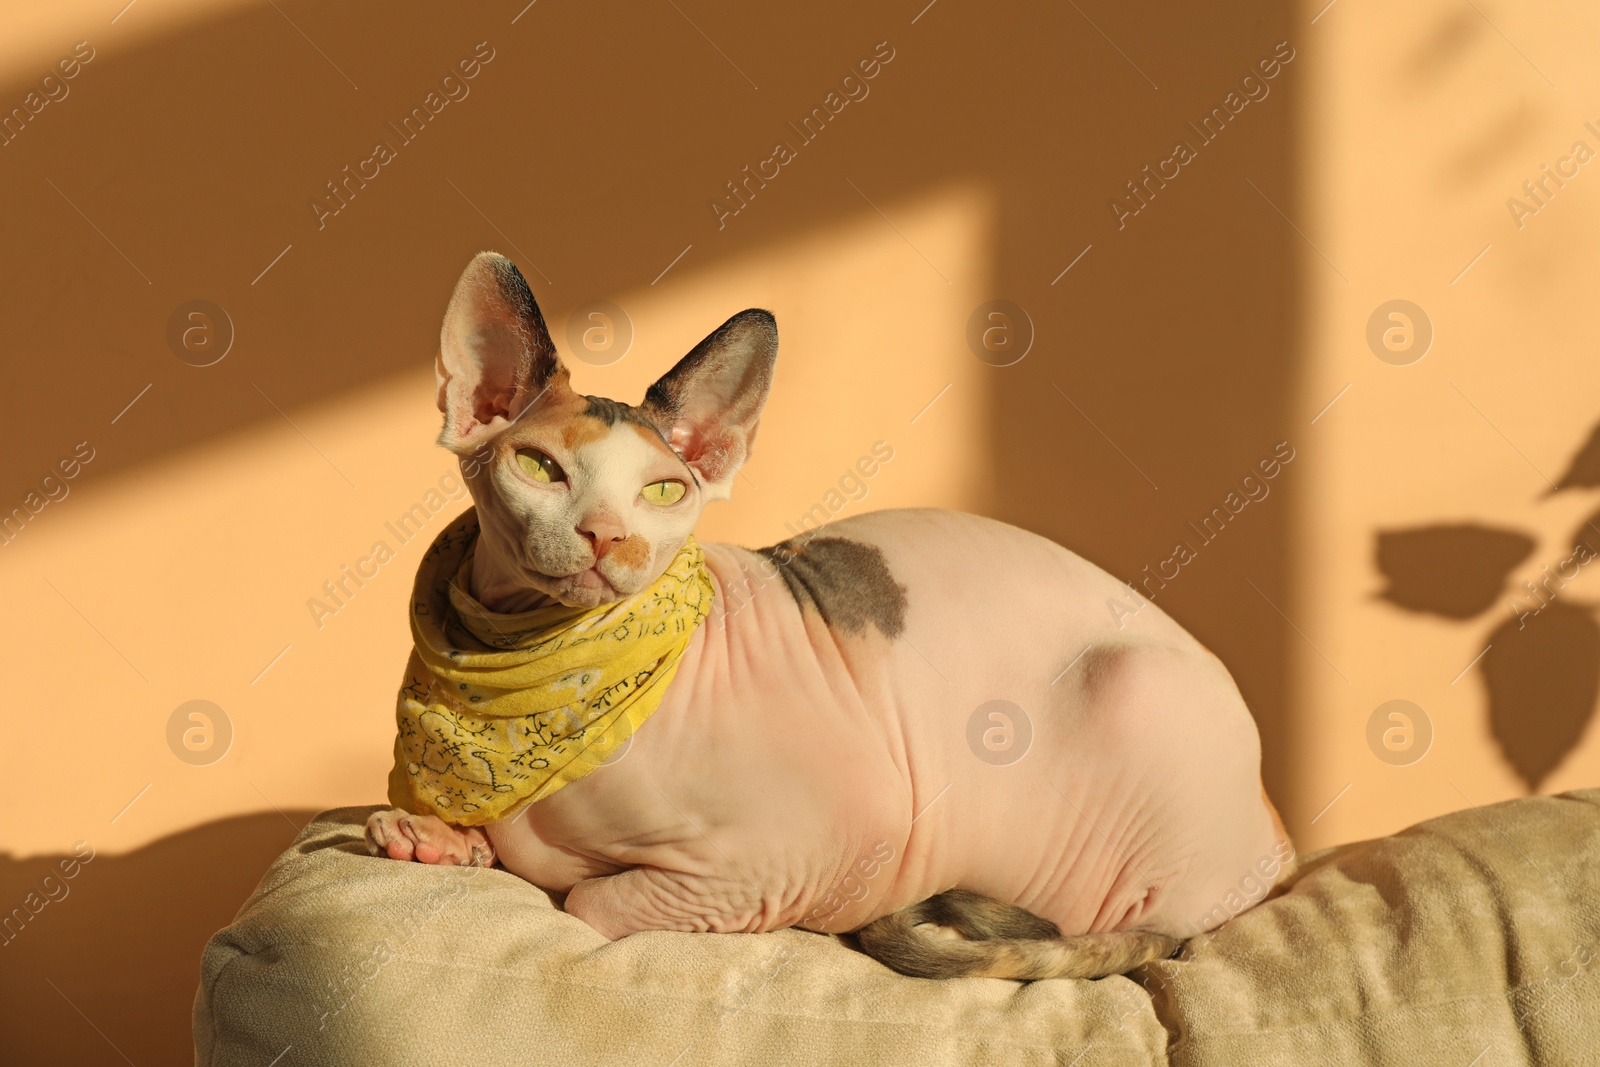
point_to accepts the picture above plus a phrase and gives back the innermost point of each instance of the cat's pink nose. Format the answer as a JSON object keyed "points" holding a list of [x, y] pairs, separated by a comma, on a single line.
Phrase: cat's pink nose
{"points": [[602, 532]]}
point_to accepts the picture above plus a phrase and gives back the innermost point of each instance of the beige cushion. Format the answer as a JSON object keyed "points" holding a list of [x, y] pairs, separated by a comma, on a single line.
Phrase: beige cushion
{"points": [[481, 962], [1478, 930], [1421, 948]]}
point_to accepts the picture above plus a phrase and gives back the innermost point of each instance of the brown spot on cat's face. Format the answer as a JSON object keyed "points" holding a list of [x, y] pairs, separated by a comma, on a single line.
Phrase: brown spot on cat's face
{"points": [[581, 431], [846, 582], [632, 552]]}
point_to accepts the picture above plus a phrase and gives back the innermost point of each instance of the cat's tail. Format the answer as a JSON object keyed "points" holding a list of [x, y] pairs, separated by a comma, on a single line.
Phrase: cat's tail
{"points": [[960, 934]]}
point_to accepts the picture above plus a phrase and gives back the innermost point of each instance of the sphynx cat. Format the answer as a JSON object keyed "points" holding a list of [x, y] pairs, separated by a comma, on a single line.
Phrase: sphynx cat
{"points": [[814, 761]]}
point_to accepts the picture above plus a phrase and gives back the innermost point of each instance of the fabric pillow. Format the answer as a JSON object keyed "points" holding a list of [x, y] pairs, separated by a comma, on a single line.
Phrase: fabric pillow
{"points": [[1469, 939], [1473, 938], [352, 959]]}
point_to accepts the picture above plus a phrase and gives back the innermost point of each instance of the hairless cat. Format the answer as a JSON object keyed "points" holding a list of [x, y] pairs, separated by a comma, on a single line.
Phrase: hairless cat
{"points": [[803, 713]]}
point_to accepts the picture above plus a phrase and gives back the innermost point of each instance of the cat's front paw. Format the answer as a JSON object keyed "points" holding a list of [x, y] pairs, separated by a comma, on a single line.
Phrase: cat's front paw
{"points": [[401, 835]]}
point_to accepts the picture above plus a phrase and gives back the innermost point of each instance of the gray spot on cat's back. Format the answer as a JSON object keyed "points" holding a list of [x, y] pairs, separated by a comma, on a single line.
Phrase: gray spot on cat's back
{"points": [[847, 582]]}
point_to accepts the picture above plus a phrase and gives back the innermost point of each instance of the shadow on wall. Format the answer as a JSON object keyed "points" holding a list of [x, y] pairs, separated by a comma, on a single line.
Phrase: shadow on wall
{"points": [[1540, 667], [118, 939], [601, 141]]}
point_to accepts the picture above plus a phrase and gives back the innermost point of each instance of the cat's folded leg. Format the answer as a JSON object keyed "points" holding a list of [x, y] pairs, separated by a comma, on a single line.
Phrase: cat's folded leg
{"points": [[649, 898]]}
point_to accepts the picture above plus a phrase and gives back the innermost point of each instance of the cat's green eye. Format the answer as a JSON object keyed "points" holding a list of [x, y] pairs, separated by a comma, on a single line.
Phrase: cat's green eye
{"points": [[669, 492], [540, 467]]}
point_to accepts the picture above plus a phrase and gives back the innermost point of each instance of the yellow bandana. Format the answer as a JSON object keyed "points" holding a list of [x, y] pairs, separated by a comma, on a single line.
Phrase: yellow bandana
{"points": [[501, 709]]}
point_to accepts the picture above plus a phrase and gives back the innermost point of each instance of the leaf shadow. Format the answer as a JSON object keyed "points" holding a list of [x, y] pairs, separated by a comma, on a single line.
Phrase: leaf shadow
{"points": [[1542, 675], [1457, 571], [1583, 472]]}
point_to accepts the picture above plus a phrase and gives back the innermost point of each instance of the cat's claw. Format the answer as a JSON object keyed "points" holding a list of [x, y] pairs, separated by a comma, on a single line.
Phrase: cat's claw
{"points": [[427, 839]]}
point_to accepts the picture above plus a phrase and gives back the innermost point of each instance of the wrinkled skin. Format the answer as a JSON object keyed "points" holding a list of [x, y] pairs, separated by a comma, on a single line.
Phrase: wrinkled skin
{"points": [[802, 773]]}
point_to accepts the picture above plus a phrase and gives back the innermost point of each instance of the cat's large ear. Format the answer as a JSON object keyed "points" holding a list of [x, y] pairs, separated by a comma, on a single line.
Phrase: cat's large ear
{"points": [[708, 406], [496, 358]]}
